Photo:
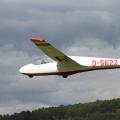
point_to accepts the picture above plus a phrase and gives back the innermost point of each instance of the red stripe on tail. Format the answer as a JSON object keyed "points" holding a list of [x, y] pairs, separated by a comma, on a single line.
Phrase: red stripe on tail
{"points": [[38, 39]]}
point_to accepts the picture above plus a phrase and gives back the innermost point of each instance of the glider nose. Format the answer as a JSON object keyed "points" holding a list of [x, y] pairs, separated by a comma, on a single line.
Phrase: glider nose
{"points": [[22, 69], [25, 69]]}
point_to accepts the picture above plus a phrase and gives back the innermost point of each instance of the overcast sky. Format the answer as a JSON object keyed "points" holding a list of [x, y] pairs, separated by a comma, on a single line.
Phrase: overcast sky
{"points": [[76, 27]]}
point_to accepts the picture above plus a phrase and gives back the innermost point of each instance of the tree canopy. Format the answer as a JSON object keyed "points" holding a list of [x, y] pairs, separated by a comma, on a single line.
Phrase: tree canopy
{"points": [[99, 110]]}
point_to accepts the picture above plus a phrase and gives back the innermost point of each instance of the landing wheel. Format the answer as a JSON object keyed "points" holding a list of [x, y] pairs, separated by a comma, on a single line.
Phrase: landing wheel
{"points": [[65, 76], [30, 76]]}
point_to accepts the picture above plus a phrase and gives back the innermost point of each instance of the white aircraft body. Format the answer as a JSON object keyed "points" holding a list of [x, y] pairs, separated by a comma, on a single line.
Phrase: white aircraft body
{"points": [[64, 65]]}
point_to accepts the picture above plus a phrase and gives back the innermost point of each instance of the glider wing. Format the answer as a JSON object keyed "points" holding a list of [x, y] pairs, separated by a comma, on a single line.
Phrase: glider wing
{"points": [[54, 53]]}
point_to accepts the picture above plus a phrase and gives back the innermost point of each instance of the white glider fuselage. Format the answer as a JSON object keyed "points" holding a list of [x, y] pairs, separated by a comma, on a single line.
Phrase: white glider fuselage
{"points": [[56, 68]]}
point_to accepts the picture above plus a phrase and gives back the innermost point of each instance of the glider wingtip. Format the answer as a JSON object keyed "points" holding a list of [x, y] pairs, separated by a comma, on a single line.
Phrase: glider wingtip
{"points": [[38, 39]]}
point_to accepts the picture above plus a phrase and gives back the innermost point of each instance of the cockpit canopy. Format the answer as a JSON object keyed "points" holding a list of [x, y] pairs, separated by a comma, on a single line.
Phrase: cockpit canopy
{"points": [[42, 61]]}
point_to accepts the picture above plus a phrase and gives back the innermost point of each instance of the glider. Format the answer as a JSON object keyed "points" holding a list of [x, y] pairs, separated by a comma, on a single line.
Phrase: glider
{"points": [[64, 65]]}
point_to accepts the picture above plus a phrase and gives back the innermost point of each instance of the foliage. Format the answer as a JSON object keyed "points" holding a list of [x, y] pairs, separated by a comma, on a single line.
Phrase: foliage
{"points": [[99, 110]]}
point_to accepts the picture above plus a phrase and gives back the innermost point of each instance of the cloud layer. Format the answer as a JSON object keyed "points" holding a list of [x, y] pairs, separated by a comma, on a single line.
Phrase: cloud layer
{"points": [[86, 28]]}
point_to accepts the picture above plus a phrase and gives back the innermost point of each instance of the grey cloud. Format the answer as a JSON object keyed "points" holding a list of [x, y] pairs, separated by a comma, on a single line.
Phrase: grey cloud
{"points": [[91, 27], [19, 106], [49, 91], [16, 87], [21, 19]]}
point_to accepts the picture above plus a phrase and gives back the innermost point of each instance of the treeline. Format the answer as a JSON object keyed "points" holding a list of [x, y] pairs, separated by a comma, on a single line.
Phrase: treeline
{"points": [[99, 110]]}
